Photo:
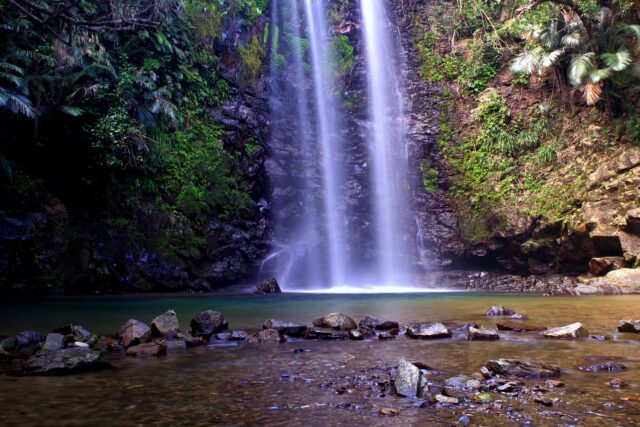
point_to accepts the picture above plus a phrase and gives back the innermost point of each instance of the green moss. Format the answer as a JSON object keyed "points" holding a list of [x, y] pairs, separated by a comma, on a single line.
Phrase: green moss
{"points": [[251, 56], [430, 177], [342, 55]]}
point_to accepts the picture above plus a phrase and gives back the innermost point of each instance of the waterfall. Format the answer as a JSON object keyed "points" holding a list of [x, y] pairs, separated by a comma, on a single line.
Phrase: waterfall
{"points": [[387, 143], [320, 230]]}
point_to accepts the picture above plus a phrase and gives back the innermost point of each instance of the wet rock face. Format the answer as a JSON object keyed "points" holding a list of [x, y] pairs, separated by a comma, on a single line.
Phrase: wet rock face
{"points": [[266, 336], [65, 362], [337, 321], [481, 334], [208, 323], [134, 332], [518, 368], [602, 265], [616, 282]]}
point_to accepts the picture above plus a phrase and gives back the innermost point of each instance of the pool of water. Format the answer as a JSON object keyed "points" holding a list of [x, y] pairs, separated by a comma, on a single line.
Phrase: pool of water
{"points": [[273, 385]]}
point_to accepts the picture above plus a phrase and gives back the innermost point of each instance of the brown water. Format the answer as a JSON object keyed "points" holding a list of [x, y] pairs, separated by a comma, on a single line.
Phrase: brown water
{"points": [[334, 383]]}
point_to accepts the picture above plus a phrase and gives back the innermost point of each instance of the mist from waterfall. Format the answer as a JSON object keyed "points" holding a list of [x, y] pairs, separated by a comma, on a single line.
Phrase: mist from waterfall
{"points": [[317, 244]]}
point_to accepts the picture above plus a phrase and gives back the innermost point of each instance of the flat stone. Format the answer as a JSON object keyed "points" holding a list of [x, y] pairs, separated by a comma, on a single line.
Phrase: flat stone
{"points": [[173, 344], [336, 321], [500, 310], [326, 334], [428, 331], [65, 362], [476, 334], [505, 325], [53, 342], [632, 326], [165, 324], [148, 349], [572, 331], [291, 329], [447, 399], [519, 368], [134, 332]]}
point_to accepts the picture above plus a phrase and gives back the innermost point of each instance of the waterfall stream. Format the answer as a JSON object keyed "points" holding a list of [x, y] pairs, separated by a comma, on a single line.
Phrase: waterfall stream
{"points": [[325, 238]]}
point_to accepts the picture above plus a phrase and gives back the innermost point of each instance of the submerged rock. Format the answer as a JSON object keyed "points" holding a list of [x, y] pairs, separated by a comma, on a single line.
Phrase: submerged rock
{"points": [[500, 310], [428, 331], [165, 324], [572, 331], [266, 336], [477, 334], [326, 334], [337, 321], [372, 322], [519, 327], [291, 329], [134, 332], [207, 323], [148, 349], [461, 383], [65, 362], [519, 368], [606, 366], [268, 286], [629, 326]]}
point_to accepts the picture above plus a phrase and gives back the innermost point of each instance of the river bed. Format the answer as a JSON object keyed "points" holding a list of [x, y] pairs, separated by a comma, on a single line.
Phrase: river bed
{"points": [[323, 382]]}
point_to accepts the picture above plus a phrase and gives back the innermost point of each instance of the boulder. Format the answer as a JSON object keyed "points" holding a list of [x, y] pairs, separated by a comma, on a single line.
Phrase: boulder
{"points": [[326, 334], [602, 265], [409, 381], [372, 322], [629, 326], [65, 362], [165, 324], [268, 286], [266, 336], [518, 368], [500, 310], [337, 321], [53, 342], [356, 335], [519, 327], [428, 331], [208, 323], [481, 334], [148, 349], [286, 328], [572, 331], [237, 336], [134, 332], [21, 345], [77, 332], [616, 282]]}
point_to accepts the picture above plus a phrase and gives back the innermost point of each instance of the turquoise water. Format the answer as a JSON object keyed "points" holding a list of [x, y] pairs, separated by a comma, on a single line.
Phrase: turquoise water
{"points": [[244, 385], [104, 314]]}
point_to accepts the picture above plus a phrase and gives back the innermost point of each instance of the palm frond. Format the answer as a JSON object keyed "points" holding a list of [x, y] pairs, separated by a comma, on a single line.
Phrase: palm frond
{"points": [[592, 92], [580, 67], [551, 58], [571, 39], [72, 111], [617, 61], [527, 61], [633, 29], [16, 103]]}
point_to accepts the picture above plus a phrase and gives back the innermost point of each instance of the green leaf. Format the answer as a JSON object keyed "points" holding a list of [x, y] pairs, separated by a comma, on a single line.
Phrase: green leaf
{"points": [[580, 67], [617, 61], [634, 29], [72, 111]]}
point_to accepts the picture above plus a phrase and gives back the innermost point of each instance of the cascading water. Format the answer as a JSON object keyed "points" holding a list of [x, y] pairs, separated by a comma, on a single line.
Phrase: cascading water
{"points": [[325, 238], [387, 144]]}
